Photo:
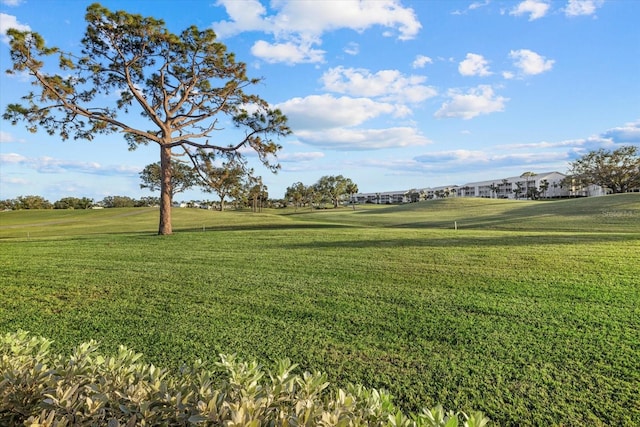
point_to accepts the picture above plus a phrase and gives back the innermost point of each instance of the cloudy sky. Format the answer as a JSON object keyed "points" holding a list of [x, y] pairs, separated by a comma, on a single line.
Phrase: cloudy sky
{"points": [[394, 94]]}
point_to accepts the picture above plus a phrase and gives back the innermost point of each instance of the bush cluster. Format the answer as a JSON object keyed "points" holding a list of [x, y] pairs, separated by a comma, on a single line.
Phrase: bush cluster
{"points": [[88, 388]]}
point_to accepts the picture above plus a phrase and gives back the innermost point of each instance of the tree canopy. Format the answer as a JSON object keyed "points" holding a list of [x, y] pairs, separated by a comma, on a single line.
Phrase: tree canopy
{"points": [[183, 177], [73, 203], [335, 188], [328, 188], [298, 194], [618, 170], [256, 193], [180, 84], [226, 180]]}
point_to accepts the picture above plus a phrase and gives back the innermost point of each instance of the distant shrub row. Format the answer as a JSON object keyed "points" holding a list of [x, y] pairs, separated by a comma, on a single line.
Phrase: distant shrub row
{"points": [[39, 202], [91, 389]]}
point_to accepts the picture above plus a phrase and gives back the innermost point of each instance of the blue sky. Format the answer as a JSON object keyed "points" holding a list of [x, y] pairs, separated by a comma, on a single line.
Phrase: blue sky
{"points": [[392, 94]]}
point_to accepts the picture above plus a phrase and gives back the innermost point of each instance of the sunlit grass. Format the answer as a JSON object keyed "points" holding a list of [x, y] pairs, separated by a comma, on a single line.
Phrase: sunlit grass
{"points": [[533, 325], [612, 213]]}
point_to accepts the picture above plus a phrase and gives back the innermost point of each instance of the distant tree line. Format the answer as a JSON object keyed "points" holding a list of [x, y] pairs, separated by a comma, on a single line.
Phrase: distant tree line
{"points": [[256, 198], [39, 202], [328, 189]]}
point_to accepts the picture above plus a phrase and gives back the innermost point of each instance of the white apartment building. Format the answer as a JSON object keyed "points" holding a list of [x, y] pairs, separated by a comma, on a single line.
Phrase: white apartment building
{"points": [[543, 185], [382, 198]]}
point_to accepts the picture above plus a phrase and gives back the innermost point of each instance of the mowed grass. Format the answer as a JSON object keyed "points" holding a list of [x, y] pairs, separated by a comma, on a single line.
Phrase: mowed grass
{"points": [[530, 311]]}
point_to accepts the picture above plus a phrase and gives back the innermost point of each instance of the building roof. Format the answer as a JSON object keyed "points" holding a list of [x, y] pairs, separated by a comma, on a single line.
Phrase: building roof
{"points": [[537, 176]]}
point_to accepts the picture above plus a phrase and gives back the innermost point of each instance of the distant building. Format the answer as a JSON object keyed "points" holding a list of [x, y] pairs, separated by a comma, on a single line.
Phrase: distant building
{"points": [[383, 198], [542, 185], [546, 185]]}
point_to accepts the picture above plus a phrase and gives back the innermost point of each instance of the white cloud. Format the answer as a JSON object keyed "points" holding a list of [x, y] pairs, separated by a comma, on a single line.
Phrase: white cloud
{"points": [[316, 17], [352, 48], [290, 53], [300, 157], [472, 6], [628, 133], [327, 121], [14, 181], [245, 15], [12, 3], [47, 164], [535, 8], [529, 62], [303, 22], [12, 158], [10, 21], [476, 160], [421, 61], [364, 139], [582, 7], [453, 155], [474, 65], [477, 101], [539, 145], [325, 111], [478, 4], [498, 161], [6, 137], [388, 85]]}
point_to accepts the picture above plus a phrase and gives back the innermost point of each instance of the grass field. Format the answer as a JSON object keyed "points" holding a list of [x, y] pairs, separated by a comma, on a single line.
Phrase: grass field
{"points": [[529, 311]]}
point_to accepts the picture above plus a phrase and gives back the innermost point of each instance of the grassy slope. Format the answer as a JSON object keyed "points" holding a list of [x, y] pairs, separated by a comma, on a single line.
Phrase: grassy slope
{"points": [[534, 324], [599, 214], [594, 214]]}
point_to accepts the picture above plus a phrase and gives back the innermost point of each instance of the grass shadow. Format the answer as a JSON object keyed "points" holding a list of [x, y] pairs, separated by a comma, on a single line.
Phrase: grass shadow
{"points": [[461, 241]]}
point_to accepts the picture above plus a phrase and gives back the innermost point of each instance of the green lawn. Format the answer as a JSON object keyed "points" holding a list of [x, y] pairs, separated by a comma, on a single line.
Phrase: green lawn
{"points": [[530, 311]]}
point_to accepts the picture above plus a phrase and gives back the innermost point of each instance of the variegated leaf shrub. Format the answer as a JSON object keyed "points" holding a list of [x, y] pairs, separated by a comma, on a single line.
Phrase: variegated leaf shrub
{"points": [[88, 388]]}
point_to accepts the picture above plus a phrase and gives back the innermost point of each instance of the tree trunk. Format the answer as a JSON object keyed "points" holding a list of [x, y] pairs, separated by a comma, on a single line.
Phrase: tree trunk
{"points": [[165, 191]]}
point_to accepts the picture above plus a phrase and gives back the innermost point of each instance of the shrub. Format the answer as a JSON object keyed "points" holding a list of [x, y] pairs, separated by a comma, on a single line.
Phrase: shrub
{"points": [[89, 388]]}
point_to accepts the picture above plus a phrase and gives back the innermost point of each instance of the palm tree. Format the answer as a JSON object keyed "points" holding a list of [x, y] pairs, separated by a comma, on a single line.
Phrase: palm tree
{"points": [[518, 189], [544, 186], [505, 183], [526, 176], [494, 190], [351, 189]]}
